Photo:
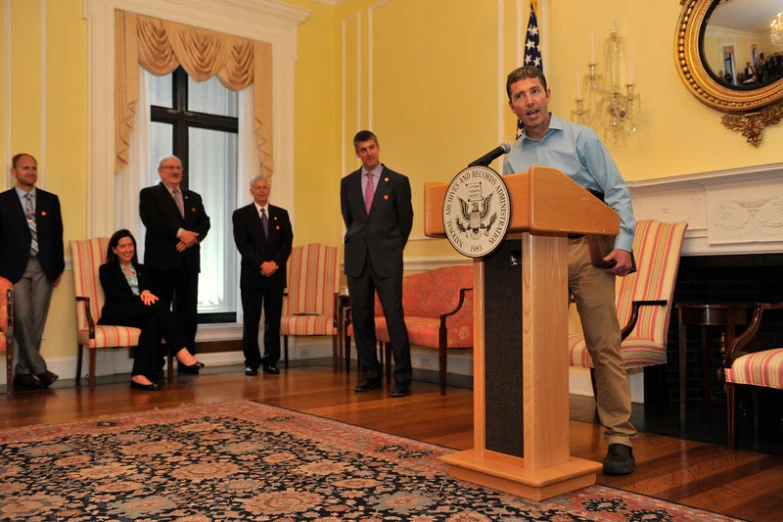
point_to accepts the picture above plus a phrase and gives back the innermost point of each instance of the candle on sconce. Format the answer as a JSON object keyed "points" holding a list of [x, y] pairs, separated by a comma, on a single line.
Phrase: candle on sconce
{"points": [[592, 46], [630, 68], [578, 86], [614, 27]]}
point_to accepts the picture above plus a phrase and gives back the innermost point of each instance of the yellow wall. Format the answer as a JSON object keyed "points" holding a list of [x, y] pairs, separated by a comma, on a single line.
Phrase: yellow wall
{"points": [[437, 101], [63, 158]]}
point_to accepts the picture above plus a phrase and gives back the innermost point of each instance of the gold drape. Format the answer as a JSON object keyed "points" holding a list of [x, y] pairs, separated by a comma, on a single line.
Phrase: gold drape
{"points": [[160, 46]]}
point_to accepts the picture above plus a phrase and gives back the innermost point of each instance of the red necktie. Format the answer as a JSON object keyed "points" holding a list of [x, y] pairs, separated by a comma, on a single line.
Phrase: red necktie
{"points": [[369, 192]]}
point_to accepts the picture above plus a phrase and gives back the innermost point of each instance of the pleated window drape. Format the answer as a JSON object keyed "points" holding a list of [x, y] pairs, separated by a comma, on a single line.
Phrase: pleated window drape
{"points": [[160, 46]]}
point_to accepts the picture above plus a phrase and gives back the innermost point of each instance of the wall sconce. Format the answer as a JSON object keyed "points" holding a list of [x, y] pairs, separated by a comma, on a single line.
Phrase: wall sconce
{"points": [[606, 105]]}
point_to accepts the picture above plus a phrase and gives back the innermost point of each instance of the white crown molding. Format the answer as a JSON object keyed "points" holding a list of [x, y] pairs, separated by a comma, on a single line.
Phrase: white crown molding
{"points": [[728, 32], [42, 159], [265, 20], [330, 2]]}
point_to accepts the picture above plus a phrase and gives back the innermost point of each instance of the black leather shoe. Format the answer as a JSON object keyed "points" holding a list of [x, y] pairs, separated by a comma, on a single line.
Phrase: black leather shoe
{"points": [[149, 387], [271, 370], [368, 385], [190, 370], [47, 378], [250, 371], [619, 460], [26, 382], [401, 390]]}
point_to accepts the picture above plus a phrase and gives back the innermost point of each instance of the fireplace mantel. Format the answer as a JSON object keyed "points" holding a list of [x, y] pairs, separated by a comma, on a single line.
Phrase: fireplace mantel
{"points": [[736, 211]]}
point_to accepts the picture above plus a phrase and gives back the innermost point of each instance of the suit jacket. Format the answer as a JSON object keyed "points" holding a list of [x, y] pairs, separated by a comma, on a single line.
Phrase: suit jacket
{"points": [[160, 215], [15, 235], [256, 248], [383, 233], [117, 290]]}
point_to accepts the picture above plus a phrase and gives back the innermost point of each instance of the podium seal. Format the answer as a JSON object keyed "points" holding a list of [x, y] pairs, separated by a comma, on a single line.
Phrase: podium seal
{"points": [[476, 211]]}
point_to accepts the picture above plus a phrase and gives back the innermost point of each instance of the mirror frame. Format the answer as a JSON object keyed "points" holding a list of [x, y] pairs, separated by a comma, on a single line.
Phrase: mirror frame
{"points": [[695, 75]]}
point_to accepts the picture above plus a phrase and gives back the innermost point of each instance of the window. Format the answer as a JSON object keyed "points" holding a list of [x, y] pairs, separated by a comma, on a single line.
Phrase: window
{"points": [[197, 122]]}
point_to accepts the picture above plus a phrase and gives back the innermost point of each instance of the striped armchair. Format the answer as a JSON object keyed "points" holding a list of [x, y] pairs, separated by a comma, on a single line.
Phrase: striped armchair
{"points": [[757, 369], [7, 329], [644, 298], [313, 279], [88, 255]]}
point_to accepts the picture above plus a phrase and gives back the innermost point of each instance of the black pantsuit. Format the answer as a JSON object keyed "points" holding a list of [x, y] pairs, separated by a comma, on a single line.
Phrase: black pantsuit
{"points": [[155, 321], [257, 247], [374, 243]]}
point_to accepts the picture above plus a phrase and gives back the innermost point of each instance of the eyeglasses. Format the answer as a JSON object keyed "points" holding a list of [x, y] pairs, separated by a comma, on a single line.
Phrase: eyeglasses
{"points": [[171, 167]]}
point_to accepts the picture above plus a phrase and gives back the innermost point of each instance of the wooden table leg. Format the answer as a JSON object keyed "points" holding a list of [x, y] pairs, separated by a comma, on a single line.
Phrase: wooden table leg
{"points": [[683, 346]]}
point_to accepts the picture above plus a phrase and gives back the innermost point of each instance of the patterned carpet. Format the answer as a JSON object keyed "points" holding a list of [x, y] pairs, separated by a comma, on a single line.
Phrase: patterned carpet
{"points": [[247, 461]]}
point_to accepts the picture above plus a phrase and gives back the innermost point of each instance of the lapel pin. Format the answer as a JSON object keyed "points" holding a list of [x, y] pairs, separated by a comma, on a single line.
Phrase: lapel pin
{"points": [[193, 209], [385, 196], [275, 218], [43, 213], [385, 179], [277, 227]]}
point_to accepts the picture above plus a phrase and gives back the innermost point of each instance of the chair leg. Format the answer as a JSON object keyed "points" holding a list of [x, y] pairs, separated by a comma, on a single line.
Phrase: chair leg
{"points": [[381, 347], [755, 411], [285, 351], [335, 355], [388, 362], [92, 369], [443, 361], [348, 354], [595, 388], [170, 367], [9, 367], [730, 413], [79, 365]]}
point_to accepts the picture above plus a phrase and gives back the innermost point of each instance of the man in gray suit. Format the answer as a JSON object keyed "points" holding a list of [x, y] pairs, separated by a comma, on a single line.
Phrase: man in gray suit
{"points": [[32, 258], [376, 208]]}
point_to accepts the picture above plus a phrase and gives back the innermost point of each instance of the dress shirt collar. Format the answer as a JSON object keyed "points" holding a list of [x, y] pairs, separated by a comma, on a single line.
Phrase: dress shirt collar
{"points": [[376, 172], [555, 124], [259, 207], [22, 194]]}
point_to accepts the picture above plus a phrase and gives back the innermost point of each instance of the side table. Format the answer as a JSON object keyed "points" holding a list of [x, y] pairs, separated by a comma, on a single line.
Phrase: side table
{"points": [[705, 315]]}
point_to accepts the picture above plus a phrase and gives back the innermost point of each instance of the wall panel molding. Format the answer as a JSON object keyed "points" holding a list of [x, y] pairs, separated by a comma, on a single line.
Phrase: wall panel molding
{"points": [[7, 102], [42, 160], [357, 16]]}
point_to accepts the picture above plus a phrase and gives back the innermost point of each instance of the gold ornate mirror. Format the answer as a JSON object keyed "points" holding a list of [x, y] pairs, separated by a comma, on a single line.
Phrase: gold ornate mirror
{"points": [[729, 53]]}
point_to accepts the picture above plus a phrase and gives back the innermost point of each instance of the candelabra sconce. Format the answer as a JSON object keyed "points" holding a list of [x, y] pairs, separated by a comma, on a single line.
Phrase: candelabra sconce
{"points": [[607, 106]]}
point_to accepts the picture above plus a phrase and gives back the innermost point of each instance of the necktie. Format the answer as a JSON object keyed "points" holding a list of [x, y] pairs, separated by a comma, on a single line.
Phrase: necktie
{"points": [[178, 199], [30, 215], [369, 192], [265, 222]]}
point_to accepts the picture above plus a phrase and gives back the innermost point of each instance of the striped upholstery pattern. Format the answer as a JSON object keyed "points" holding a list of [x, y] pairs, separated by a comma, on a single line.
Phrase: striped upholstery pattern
{"points": [[763, 368], [657, 247], [88, 255], [313, 278]]}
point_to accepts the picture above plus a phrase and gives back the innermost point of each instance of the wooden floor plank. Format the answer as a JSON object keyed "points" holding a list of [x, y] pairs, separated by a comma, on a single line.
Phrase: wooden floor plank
{"points": [[738, 483]]}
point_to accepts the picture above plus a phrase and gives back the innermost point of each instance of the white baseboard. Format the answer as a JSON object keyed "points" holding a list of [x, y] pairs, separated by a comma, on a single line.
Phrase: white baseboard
{"points": [[460, 362]]}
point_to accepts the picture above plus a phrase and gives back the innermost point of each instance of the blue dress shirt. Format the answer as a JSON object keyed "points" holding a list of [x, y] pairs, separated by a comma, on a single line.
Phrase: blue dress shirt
{"points": [[576, 151]]}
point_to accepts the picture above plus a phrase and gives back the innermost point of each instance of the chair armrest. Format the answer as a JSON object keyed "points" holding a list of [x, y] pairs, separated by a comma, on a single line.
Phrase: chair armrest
{"points": [[10, 315], [443, 331], [748, 335], [90, 320], [635, 306]]}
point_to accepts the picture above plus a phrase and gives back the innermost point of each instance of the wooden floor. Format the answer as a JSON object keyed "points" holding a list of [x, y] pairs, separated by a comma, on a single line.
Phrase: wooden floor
{"points": [[740, 483]]}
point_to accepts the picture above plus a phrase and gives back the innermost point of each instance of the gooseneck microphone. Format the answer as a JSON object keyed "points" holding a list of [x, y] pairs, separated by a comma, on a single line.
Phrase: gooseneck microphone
{"points": [[489, 157]]}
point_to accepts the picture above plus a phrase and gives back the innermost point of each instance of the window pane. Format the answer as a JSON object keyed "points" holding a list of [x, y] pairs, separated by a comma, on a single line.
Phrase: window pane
{"points": [[161, 88], [213, 174], [161, 144], [211, 97]]}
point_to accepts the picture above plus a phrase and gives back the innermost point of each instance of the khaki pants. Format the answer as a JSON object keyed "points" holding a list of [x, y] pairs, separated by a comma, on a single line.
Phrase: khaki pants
{"points": [[593, 291]]}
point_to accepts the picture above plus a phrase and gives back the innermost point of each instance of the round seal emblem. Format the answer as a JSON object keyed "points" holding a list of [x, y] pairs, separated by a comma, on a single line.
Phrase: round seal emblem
{"points": [[476, 211]]}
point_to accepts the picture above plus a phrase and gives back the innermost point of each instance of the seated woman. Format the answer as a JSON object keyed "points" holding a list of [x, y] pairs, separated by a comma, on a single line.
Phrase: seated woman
{"points": [[130, 303]]}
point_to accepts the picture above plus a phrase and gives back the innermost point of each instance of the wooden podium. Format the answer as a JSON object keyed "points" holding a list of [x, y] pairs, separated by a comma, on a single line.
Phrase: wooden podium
{"points": [[520, 352]]}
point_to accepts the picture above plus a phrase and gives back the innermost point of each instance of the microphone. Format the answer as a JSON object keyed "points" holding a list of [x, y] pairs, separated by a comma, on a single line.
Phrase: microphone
{"points": [[489, 157]]}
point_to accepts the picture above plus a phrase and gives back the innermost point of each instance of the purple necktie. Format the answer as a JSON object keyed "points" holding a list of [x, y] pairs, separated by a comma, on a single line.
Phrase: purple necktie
{"points": [[369, 192], [265, 222]]}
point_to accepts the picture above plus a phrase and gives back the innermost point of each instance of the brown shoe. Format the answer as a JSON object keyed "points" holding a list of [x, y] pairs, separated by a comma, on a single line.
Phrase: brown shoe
{"points": [[47, 378], [25, 381]]}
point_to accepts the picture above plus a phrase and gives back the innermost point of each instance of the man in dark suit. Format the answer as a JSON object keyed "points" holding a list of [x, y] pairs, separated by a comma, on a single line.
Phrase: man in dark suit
{"points": [[376, 208], [176, 225], [263, 235], [31, 257]]}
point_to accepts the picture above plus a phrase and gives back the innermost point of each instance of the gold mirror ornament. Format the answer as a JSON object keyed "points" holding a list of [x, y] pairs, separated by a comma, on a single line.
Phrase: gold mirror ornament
{"points": [[734, 37]]}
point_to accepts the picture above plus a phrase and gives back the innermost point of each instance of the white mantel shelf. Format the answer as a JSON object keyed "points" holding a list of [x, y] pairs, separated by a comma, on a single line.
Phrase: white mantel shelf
{"points": [[736, 211]]}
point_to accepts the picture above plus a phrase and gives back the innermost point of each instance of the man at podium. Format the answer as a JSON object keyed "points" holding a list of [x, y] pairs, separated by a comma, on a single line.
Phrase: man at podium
{"points": [[577, 151]]}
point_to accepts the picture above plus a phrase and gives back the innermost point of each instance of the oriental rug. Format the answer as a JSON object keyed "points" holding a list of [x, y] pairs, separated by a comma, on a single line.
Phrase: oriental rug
{"points": [[248, 461]]}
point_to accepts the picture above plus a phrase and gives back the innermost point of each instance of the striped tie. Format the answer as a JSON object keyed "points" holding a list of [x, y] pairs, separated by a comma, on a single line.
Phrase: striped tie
{"points": [[30, 214]]}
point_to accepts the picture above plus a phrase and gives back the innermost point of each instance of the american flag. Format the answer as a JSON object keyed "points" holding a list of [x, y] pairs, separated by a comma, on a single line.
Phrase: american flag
{"points": [[532, 49]]}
